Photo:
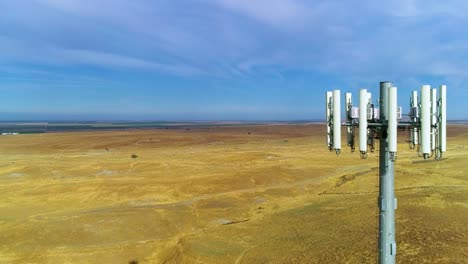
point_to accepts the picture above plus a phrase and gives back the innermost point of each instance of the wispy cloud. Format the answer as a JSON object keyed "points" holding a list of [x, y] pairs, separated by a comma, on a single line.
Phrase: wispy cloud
{"points": [[276, 13], [239, 44], [104, 59], [22, 52], [190, 37]]}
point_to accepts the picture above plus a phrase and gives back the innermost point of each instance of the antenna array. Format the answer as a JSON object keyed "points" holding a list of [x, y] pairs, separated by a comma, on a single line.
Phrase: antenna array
{"points": [[426, 121], [427, 125]]}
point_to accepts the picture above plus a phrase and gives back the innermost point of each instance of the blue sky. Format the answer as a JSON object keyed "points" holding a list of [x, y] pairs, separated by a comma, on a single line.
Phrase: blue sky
{"points": [[222, 59]]}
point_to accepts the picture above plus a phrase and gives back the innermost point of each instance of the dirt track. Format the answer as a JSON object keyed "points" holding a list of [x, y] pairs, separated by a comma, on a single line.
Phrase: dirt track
{"points": [[241, 194]]}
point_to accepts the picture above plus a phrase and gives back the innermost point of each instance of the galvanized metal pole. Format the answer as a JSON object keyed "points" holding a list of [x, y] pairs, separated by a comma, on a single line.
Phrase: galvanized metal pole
{"points": [[387, 200]]}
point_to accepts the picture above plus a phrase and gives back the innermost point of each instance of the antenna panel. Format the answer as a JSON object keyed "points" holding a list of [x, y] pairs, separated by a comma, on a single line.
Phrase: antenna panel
{"points": [[354, 112], [370, 111], [328, 105], [349, 119], [336, 120], [348, 101], [433, 117], [414, 99], [348, 106], [376, 113], [443, 118], [363, 102], [392, 119], [415, 116], [414, 113], [426, 119]]}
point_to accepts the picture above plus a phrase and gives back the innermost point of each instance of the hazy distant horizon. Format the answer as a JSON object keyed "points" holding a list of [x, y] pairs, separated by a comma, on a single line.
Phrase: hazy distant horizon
{"points": [[7, 117], [117, 119], [163, 120]]}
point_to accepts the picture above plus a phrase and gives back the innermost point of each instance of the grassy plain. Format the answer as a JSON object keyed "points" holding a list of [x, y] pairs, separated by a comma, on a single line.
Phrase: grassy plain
{"points": [[237, 194]]}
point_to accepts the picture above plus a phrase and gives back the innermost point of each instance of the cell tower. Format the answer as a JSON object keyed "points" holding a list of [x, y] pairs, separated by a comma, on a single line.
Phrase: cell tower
{"points": [[426, 123]]}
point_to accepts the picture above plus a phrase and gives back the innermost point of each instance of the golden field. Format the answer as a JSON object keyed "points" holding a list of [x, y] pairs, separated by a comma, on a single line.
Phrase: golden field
{"points": [[222, 194]]}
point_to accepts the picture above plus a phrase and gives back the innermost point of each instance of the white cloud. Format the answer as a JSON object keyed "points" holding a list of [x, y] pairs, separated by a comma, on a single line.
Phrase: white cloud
{"points": [[20, 51], [401, 37], [272, 12], [104, 59]]}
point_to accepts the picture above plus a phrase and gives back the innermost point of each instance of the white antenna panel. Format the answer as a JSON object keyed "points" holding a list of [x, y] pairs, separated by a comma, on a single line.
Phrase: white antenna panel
{"points": [[443, 118], [415, 114], [414, 101], [363, 101], [328, 98], [348, 106], [433, 117], [426, 119], [336, 120], [349, 100], [370, 113], [355, 112], [392, 119], [376, 113]]}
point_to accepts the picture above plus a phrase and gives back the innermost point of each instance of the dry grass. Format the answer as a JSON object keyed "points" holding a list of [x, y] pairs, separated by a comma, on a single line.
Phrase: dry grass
{"points": [[221, 195]]}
